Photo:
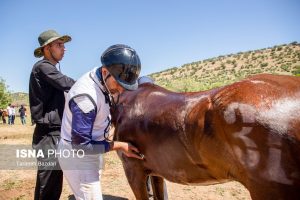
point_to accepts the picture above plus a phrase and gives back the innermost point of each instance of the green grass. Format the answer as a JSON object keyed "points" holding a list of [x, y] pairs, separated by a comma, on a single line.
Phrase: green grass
{"points": [[22, 197], [10, 184]]}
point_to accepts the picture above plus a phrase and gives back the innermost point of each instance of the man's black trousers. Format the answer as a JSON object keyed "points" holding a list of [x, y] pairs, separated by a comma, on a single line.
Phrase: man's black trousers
{"points": [[49, 179]]}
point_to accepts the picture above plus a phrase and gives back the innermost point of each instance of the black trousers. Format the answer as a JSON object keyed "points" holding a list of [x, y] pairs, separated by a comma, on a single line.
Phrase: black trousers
{"points": [[49, 179]]}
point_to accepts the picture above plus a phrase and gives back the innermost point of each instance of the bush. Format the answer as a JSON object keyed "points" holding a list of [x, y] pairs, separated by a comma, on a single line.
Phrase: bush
{"points": [[285, 68], [296, 71], [294, 43], [222, 66], [263, 65], [5, 96]]}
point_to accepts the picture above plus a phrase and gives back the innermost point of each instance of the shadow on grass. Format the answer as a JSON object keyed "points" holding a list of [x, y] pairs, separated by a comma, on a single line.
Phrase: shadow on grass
{"points": [[105, 197]]}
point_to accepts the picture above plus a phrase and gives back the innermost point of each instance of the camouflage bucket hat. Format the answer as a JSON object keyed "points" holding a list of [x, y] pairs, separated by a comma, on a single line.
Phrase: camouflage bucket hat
{"points": [[48, 37]]}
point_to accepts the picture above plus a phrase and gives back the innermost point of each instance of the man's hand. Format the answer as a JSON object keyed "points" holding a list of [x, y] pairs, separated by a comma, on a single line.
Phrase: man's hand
{"points": [[128, 149]]}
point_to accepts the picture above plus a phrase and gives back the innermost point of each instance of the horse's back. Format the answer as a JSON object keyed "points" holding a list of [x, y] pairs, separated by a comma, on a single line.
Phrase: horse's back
{"points": [[272, 101]]}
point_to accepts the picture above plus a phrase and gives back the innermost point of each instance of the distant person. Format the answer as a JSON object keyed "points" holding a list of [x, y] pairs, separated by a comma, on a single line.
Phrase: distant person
{"points": [[22, 112], [1, 111], [4, 115], [9, 113], [13, 114], [46, 96]]}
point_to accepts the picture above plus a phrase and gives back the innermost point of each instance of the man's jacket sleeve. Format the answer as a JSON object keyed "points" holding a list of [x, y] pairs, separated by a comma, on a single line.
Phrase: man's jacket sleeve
{"points": [[55, 77]]}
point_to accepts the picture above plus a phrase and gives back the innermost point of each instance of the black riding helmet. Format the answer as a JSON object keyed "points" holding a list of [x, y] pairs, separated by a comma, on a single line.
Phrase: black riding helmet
{"points": [[124, 65]]}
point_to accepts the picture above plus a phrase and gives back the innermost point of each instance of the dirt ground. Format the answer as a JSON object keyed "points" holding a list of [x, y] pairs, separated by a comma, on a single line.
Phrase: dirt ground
{"points": [[19, 184]]}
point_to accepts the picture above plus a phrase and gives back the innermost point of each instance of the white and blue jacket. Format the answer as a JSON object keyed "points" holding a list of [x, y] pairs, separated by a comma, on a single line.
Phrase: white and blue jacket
{"points": [[86, 115]]}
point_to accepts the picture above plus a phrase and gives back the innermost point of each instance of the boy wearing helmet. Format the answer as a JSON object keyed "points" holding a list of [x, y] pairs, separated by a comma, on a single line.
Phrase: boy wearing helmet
{"points": [[86, 119]]}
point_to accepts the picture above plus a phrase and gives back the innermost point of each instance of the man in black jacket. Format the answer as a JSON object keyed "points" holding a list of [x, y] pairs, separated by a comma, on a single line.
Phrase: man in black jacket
{"points": [[46, 96]]}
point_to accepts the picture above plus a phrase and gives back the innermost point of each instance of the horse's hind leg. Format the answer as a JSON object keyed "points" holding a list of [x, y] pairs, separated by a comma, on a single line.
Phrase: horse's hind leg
{"points": [[159, 188]]}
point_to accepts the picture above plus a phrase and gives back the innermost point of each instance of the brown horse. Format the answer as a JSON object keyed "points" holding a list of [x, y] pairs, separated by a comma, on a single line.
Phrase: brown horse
{"points": [[248, 131]]}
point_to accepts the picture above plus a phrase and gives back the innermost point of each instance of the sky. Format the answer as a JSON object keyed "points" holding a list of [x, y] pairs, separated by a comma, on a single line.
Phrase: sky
{"points": [[165, 33]]}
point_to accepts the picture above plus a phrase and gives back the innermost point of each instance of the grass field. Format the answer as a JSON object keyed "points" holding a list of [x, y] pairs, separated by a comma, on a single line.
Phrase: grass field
{"points": [[19, 184]]}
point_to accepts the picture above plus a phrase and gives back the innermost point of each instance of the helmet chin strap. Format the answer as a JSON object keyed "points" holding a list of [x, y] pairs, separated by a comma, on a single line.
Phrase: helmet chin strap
{"points": [[111, 97], [109, 75]]}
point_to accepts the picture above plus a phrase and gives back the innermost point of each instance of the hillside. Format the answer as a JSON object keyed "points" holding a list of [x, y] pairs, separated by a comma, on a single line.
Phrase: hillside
{"points": [[222, 70], [19, 98]]}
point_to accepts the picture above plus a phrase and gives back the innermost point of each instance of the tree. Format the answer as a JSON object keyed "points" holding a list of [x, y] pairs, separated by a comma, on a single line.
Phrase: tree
{"points": [[5, 97]]}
